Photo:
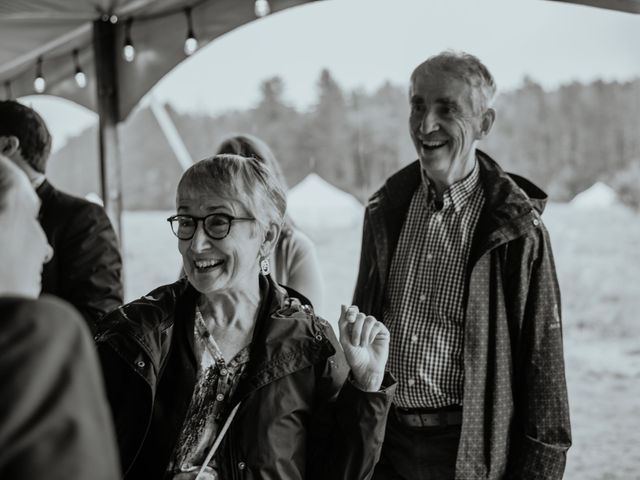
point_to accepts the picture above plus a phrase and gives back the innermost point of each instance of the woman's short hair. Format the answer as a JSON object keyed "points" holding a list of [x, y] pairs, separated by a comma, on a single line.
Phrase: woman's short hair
{"points": [[249, 146], [243, 179]]}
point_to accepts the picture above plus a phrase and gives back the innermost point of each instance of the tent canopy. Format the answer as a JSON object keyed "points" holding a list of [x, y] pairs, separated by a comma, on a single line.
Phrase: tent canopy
{"points": [[51, 30]]}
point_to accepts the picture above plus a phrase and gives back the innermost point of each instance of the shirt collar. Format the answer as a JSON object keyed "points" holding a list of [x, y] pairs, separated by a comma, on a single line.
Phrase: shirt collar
{"points": [[456, 195]]}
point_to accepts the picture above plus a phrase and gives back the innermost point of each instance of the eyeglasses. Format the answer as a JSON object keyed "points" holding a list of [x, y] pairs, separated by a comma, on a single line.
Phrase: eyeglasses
{"points": [[216, 225]]}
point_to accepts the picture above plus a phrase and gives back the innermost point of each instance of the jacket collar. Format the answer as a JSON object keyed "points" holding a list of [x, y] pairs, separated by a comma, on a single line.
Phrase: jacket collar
{"points": [[45, 190], [512, 207], [287, 337]]}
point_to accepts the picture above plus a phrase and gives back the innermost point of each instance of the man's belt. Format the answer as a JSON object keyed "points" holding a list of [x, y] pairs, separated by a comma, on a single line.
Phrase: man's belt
{"points": [[415, 418]]}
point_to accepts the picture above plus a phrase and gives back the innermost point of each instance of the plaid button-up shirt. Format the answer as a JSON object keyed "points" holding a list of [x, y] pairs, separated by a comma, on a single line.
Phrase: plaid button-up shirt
{"points": [[424, 306]]}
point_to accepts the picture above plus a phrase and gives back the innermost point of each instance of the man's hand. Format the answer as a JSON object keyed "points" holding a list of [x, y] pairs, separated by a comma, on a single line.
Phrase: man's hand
{"points": [[365, 342]]}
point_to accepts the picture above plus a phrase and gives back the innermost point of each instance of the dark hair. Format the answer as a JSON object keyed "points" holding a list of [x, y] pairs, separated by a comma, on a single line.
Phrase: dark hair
{"points": [[7, 178], [28, 127]]}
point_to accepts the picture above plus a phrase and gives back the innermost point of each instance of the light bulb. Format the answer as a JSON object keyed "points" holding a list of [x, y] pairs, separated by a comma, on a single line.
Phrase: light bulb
{"points": [[190, 45], [40, 84], [261, 8], [128, 52], [81, 79]]}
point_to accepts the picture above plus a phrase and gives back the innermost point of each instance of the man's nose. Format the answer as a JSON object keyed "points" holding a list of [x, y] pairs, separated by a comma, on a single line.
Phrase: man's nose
{"points": [[429, 122]]}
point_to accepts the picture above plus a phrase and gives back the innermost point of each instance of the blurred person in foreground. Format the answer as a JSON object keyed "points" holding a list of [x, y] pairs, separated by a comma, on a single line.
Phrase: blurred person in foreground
{"points": [[457, 263], [294, 261], [86, 266], [223, 374], [54, 419]]}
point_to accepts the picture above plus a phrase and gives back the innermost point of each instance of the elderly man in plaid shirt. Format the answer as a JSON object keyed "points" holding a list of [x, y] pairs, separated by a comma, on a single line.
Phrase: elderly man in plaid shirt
{"points": [[457, 263]]}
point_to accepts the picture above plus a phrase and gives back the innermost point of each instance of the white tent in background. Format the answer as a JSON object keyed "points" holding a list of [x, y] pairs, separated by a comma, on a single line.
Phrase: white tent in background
{"points": [[315, 204], [598, 195]]}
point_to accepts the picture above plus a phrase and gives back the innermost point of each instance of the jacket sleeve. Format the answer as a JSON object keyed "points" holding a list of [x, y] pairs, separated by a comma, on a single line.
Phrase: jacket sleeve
{"points": [[91, 265], [348, 431], [542, 433], [55, 420]]}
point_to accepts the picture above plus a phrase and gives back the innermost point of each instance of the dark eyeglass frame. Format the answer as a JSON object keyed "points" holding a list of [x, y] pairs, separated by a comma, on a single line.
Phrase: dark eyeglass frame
{"points": [[230, 219]]}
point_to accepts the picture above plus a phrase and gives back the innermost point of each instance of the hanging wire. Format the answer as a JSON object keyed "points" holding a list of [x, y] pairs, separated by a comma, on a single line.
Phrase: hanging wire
{"points": [[79, 75], [191, 42], [128, 50], [7, 90], [39, 83]]}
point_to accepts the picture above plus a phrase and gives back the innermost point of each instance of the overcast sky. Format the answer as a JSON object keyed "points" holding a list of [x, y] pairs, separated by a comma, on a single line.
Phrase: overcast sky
{"points": [[365, 42]]}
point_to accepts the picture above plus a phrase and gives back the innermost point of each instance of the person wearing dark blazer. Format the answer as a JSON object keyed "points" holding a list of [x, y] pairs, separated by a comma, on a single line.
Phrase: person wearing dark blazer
{"points": [[54, 420], [86, 267]]}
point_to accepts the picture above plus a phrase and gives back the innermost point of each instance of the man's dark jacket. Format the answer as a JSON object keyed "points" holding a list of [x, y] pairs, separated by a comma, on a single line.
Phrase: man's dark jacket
{"points": [[299, 418], [515, 413], [86, 268], [54, 419]]}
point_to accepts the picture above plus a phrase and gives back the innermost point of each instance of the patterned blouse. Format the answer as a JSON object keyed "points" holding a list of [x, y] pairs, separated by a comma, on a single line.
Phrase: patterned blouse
{"points": [[217, 381]]}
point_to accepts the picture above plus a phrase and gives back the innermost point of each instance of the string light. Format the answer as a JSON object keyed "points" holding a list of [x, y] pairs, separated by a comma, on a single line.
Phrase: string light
{"points": [[39, 84], [191, 43], [128, 51], [81, 78], [261, 8]]}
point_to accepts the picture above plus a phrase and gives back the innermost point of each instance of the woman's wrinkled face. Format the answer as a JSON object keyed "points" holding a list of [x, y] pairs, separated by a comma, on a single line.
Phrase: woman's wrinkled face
{"points": [[216, 265]]}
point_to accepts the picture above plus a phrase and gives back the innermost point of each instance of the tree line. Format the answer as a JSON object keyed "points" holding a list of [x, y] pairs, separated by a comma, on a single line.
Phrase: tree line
{"points": [[564, 139]]}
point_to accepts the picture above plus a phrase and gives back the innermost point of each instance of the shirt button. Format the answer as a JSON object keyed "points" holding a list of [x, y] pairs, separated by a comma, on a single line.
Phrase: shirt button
{"points": [[422, 297], [429, 256], [242, 465], [414, 338], [411, 382], [223, 372], [438, 217], [536, 222], [219, 397], [140, 364]]}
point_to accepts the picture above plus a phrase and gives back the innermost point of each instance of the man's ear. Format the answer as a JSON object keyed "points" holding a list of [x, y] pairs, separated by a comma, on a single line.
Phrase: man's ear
{"points": [[9, 145], [270, 239], [488, 117]]}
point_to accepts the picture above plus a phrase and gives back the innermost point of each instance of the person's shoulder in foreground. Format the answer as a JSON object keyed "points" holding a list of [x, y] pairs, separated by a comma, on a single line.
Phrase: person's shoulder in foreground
{"points": [[56, 423], [86, 269]]}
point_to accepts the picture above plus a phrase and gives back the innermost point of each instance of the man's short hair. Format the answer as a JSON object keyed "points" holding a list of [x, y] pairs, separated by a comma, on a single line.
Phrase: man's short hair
{"points": [[465, 66], [28, 127]]}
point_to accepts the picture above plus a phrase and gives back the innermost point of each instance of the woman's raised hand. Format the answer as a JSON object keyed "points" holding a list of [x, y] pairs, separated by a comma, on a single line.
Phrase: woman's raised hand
{"points": [[365, 342]]}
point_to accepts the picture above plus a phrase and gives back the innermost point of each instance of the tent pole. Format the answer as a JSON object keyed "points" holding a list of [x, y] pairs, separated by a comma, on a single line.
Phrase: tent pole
{"points": [[105, 54]]}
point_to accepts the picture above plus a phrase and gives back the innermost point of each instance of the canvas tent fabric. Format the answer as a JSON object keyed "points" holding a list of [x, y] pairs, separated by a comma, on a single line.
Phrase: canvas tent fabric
{"points": [[598, 195], [314, 205]]}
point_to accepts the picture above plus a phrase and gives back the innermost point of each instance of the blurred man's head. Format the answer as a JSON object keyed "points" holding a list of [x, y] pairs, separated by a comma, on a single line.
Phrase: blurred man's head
{"points": [[24, 247], [450, 96], [24, 137]]}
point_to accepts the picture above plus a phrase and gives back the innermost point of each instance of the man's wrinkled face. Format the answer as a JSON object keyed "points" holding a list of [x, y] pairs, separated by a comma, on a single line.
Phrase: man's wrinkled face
{"points": [[445, 121]]}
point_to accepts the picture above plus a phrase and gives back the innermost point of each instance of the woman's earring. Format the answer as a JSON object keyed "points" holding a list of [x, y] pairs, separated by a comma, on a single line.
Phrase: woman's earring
{"points": [[265, 268]]}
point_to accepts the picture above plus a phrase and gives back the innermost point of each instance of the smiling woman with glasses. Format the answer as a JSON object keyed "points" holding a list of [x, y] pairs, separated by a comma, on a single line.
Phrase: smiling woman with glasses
{"points": [[225, 374]]}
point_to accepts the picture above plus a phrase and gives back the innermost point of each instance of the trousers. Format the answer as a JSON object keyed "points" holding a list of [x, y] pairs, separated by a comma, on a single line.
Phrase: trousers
{"points": [[424, 453]]}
